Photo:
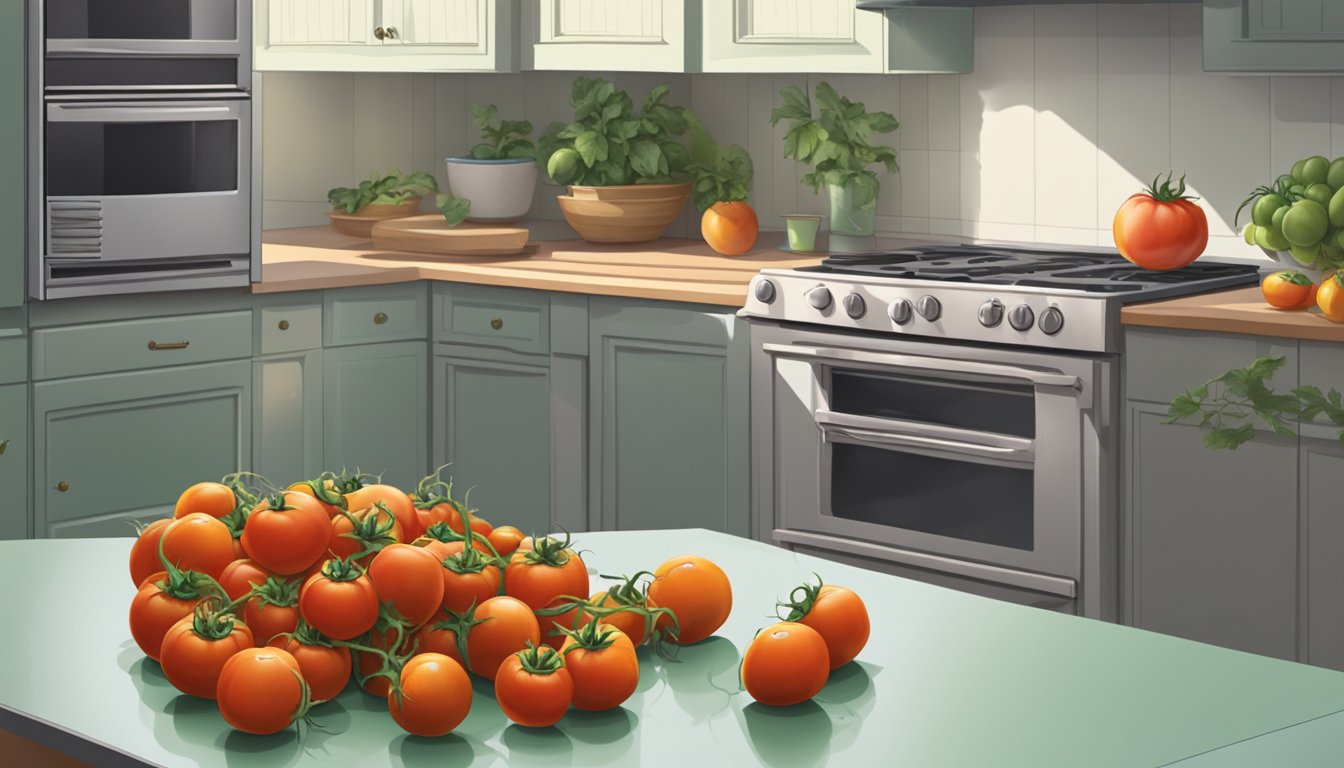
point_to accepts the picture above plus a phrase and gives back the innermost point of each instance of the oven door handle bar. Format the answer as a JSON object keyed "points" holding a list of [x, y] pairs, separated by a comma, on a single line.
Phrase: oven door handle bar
{"points": [[921, 363], [926, 439], [993, 574], [73, 113]]}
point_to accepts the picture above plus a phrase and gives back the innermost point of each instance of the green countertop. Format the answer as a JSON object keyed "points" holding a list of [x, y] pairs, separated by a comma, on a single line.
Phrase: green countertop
{"points": [[947, 679]]}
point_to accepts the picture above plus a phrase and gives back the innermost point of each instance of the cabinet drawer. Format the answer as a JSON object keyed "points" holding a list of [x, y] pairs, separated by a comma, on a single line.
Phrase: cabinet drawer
{"points": [[13, 356], [289, 329], [379, 313], [494, 317], [1160, 364], [137, 344]]}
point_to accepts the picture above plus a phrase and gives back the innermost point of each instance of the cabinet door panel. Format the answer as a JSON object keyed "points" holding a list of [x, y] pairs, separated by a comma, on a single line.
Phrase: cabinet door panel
{"points": [[615, 35], [318, 22], [1214, 536], [14, 452], [374, 403], [287, 441], [771, 35], [124, 446], [492, 420], [1272, 36], [1321, 463], [12, 132]]}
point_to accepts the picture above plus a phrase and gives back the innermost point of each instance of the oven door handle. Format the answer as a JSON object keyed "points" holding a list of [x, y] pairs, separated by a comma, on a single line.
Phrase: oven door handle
{"points": [[921, 363], [100, 113], [926, 439]]}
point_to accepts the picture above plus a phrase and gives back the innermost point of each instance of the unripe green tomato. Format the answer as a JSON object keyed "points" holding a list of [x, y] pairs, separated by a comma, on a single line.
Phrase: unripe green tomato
{"points": [[1276, 221], [1248, 232], [1262, 212], [1314, 170], [1306, 255], [1296, 173], [1305, 223], [1335, 176], [1270, 240], [1336, 208], [1321, 193]]}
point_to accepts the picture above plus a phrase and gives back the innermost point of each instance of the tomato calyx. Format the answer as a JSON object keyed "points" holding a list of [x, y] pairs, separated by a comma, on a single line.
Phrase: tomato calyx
{"points": [[340, 569], [372, 531], [468, 561], [432, 491], [1166, 192], [548, 551], [187, 585], [276, 502], [328, 489], [237, 519], [246, 496], [211, 621], [801, 606], [305, 634], [282, 593], [592, 636], [1296, 278], [540, 660]]}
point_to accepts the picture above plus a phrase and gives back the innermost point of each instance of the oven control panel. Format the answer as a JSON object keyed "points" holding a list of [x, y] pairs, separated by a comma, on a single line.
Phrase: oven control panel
{"points": [[991, 314]]}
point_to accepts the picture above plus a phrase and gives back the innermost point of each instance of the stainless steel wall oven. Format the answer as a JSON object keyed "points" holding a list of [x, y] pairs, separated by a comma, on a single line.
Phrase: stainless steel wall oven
{"points": [[141, 128]]}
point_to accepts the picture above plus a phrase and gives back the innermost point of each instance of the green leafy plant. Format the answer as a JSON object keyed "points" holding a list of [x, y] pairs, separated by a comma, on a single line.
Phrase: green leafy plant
{"points": [[609, 143], [1226, 405], [454, 209], [721, 175], [504, 139], [836, 142], [388, 188]]}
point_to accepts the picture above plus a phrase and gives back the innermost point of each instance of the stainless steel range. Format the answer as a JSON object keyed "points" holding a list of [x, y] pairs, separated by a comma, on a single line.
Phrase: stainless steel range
{"points": [[950, 412]]}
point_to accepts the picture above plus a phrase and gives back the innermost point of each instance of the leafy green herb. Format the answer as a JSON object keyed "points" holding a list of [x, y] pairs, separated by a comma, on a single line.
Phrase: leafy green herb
{"points": [[390, 188], [608, 143], [454, 209], [504, 139], [836, 141], [721, 175], [1224, 406]]}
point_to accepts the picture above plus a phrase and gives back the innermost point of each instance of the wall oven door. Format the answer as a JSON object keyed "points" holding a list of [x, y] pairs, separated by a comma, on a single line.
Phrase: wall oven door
{"points": [[135, 184], [973, 463]]}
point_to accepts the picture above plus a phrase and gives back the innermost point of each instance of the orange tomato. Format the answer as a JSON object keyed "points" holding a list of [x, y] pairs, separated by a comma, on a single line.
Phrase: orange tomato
{"points": [[433, 638], [1288, 290], [260, 691], [505, 539], [1330, 297], [435, 695], [345, 542], [240, 576], [266, 620], [325, 668], [1161, 228], [198, 542], [507, 626], [534, 688], [544, 575], [468, 579], [329, 492], [410, 579], [604, 675], [341, 608], [213, 499], [287, 533], [192, 662], [697, 592], [632, 623], [730, 228], [840, 617], [396, 501], [153, 613], [145, 551], [786, 664]]}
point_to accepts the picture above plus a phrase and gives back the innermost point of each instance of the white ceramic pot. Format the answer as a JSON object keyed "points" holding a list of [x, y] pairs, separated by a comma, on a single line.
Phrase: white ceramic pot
{"points": [[499, 190]]}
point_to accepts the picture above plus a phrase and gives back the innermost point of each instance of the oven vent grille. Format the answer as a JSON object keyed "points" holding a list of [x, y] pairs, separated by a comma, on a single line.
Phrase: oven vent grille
{"points": [[74, 228]]}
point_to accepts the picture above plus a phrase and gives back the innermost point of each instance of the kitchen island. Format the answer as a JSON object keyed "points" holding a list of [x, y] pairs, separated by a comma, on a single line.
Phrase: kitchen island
{"points": [[947, 679]]}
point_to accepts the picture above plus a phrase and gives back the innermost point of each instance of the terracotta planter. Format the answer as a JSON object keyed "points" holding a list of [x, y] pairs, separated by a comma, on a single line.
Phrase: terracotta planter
{"points": [[635, 213]]}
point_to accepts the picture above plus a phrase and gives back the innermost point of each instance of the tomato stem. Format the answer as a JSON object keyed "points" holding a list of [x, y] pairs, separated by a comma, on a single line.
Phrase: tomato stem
{"points": [[540, 660]]}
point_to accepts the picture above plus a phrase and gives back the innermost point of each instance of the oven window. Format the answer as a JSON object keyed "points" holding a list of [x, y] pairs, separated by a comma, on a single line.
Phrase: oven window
{"points": [[131, 71], [943, 497], [141, 19], [107, 159], [1007, 409]]}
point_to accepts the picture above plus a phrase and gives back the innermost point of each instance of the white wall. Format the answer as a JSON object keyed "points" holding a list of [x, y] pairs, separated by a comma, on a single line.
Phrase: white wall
{"points": [[1070, 110]]}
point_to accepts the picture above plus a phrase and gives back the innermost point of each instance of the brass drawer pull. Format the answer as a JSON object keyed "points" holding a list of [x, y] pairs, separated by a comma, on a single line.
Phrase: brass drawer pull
{"points": [[380, 318], [390, 33], [62, 486], [156, 346], [284, 325], [3, 445], [496, 323]]}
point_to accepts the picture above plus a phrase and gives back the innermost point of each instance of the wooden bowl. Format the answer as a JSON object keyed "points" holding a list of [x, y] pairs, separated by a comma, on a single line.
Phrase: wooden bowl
{"points": [[385, 211], [631, 191], [621, 221], [360, 223]]}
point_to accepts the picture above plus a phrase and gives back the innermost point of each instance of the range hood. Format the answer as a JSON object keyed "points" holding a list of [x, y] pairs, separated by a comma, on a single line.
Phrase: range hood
{"points": [[885, 5]]}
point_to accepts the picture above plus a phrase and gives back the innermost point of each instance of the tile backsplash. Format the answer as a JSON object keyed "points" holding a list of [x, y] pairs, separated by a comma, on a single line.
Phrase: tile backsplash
{"points": [[1070, 110]]}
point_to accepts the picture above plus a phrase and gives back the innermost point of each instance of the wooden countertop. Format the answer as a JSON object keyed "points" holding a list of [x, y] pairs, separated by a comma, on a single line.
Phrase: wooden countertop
{"points": [[1240, 310], [670, 269]]}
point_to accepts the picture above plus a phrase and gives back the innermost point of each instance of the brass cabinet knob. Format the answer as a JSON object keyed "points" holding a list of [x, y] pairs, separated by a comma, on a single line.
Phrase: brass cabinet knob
{"points": [[62, 486], [496, 323], [392, 33], [3, 445], [380, 33], [284, 325], [380, 318]]}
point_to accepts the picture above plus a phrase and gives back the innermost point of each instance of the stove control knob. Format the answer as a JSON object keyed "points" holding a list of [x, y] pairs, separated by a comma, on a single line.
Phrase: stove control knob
{"points": [[899, 311], [1021, 317], [855, 306], [1052, 321], [819, 298], [991, 313], [764, 291], [929, 308]]}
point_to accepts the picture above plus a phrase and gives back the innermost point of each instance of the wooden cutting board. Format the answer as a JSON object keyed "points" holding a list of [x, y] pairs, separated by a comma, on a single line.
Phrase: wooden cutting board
{"points": [[432, 235]]}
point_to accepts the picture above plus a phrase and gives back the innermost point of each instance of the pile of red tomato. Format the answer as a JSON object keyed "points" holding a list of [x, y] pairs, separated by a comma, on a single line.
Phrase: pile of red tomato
{"points": [[270, 603]]}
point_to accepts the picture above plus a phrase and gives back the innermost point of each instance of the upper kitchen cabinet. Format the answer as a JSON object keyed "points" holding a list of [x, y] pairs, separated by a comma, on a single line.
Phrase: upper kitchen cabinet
{"points": [[1273, 36], [387, 35], [833, 36], [613, 35], [12, 157]]}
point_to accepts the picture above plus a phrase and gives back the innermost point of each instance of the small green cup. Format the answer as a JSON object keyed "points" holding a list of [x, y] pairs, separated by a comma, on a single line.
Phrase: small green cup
{"points": [[802, 229]]}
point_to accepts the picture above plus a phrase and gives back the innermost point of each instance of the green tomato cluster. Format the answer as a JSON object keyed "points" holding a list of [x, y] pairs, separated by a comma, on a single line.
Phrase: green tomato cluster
{"points": [[1303, 213]]}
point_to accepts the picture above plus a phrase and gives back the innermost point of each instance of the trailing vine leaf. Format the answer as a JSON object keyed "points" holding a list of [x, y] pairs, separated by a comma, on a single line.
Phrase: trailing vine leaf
{"points": [[454, 209]]}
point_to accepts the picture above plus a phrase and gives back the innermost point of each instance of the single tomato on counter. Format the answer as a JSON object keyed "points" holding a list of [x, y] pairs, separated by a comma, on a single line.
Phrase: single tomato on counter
{"points": [[1330, 297], [1161, 228], [1288, 290]]}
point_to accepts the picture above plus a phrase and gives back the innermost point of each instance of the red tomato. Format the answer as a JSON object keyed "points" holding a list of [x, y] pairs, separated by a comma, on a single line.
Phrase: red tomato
{"points": [[340, 601], [837, 614], [267, 620], [240, 576], [433, 638], [468, 579], [397, 502], [153, 612], [261, 691], [286, 533], [534, 688], [785, 664], [730, 228], [213, 499], [541, 575], [198, 542], [697, 592], [328, 497], [435, 695], [409, 578], [1161, 228], [193, 661], [326, 668], [145, 551], [506, 625], [604, 667], [505, 539]]}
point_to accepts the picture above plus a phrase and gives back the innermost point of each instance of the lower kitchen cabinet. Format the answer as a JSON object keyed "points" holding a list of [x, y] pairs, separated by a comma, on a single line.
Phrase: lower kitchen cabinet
{"points": [[668, 434], [113, 449], [287, 434], [14, 461], [492, 422], [1321, 490], [375, 404]]}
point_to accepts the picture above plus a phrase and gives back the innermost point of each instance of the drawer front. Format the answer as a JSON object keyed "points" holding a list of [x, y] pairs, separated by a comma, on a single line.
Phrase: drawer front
{"points": [[1160, 364], [493, 317], [13, 356], [138, 344], [289, 329], [380, 313], [14, 451]]}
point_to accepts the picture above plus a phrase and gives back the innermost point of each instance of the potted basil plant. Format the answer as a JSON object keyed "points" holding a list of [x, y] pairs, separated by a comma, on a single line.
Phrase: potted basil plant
{"points": [[500, 174], [835, 142]]}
